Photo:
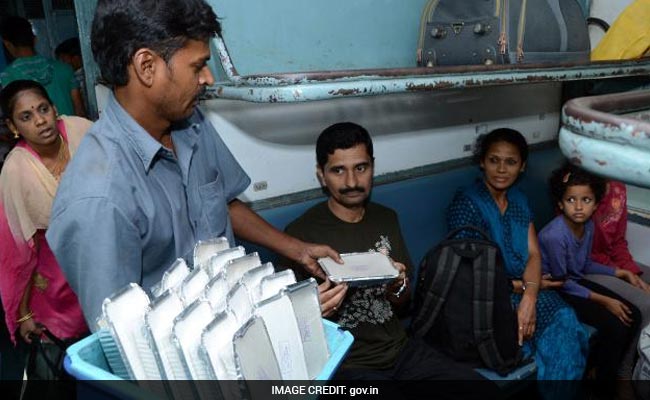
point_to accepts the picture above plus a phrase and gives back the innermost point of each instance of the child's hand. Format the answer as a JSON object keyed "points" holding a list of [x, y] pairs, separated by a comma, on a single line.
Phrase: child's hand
{"points": [[549, 284], [640, 283], [632, 279], [619, 309], [517, 286], [624, 274]]}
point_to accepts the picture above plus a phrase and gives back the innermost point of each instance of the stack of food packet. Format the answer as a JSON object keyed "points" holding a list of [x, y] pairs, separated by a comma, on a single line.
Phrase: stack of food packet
{"points": [[229, 319]]}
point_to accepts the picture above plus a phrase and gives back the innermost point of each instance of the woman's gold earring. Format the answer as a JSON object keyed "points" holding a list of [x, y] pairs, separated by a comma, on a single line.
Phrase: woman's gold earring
{"points": [[16, 135]]}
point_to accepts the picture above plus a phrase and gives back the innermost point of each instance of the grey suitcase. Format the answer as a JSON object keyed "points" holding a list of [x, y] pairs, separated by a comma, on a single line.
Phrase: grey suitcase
{"points": [[466, 32]]}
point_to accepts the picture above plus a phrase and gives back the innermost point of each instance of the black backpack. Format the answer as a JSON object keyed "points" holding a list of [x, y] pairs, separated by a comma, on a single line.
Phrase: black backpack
{"points": [[462, 303]]}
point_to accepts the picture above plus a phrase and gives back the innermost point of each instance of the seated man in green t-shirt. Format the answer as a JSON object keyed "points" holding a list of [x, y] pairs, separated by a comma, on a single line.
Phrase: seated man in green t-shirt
{"points": [[349, 222], [57, 77]]}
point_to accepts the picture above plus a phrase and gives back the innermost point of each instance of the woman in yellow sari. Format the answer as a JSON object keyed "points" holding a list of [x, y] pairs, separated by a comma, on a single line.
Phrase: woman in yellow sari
{"points": [[35, 294]]}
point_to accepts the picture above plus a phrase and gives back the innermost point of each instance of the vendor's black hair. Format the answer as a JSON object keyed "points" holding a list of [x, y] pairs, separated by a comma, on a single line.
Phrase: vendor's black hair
{"points": [[122, 27]]}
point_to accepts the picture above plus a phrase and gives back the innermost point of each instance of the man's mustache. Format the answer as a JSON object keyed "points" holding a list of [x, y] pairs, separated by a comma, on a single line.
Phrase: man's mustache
{"points": [[200, 96], [352, 189]]}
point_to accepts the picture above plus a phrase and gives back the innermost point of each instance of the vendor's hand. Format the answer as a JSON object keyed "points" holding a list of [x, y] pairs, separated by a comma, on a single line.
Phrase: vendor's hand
{"points": [[309, 254], [526, 318], [331, 297], [29, 328], [619, 309]]}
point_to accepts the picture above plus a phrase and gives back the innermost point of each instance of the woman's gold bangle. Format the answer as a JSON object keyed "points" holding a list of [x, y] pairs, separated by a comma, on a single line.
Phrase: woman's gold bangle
{"points": [[528, 283], [25, 317]]}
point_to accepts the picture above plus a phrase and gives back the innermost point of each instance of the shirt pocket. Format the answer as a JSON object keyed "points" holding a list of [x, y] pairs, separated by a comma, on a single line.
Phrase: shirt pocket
{"points": [[214, 209]]}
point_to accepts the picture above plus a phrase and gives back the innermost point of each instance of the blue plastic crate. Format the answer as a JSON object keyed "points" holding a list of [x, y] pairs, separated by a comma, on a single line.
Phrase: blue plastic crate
{"points": [[85, 361]]}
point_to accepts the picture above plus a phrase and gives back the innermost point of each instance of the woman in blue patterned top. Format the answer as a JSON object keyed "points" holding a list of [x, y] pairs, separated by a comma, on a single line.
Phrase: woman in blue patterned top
{"points": [[548, 327]]}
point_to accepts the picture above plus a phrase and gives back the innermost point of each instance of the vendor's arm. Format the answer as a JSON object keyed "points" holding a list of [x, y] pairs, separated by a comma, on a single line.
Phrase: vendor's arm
{"points": [[99, 250], [249, 226]]}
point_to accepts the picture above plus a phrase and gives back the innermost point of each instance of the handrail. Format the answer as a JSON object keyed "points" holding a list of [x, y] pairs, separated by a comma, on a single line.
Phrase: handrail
{"points": [[597, 137], [322, 85]]}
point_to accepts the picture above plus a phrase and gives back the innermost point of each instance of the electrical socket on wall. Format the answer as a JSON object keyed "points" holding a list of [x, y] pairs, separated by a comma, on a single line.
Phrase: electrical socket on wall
{"points": [[260, 186]]}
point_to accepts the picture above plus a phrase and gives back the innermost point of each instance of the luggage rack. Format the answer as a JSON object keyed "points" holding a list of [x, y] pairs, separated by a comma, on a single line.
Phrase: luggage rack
{"points": [[324, 85]]}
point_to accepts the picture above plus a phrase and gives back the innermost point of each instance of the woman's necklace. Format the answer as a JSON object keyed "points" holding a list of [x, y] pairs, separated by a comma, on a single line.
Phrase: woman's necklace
{"points": [[62, 158]]}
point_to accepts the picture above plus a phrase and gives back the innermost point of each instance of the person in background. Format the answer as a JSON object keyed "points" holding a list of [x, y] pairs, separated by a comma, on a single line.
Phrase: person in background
{"points": [[610, 225], [57, 77], [350, 223], [153, 177], [548, 327], [69, 52], [35, 294]]}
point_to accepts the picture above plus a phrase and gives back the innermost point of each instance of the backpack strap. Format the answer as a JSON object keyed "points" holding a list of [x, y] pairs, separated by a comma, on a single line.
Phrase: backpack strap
{"points": [[437, 290], [483, 312]]}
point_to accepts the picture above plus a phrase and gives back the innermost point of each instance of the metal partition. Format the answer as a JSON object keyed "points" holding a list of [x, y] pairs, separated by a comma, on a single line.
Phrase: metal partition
{"points": [[609, 135]]}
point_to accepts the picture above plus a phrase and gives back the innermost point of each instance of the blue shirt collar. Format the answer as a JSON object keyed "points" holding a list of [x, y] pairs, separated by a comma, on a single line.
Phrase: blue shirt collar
{"points": [[145, 146]]}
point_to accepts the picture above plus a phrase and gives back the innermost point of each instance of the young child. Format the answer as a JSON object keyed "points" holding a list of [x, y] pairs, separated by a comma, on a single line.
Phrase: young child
{"points": [[565, 244]]}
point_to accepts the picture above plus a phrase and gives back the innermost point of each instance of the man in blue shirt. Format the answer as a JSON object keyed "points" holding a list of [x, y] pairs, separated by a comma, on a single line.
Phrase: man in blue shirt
{"points": [[152, 176]]}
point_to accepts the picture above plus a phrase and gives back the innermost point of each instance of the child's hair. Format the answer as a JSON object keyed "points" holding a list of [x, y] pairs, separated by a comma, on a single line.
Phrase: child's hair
{"points": [[570, 175]]}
